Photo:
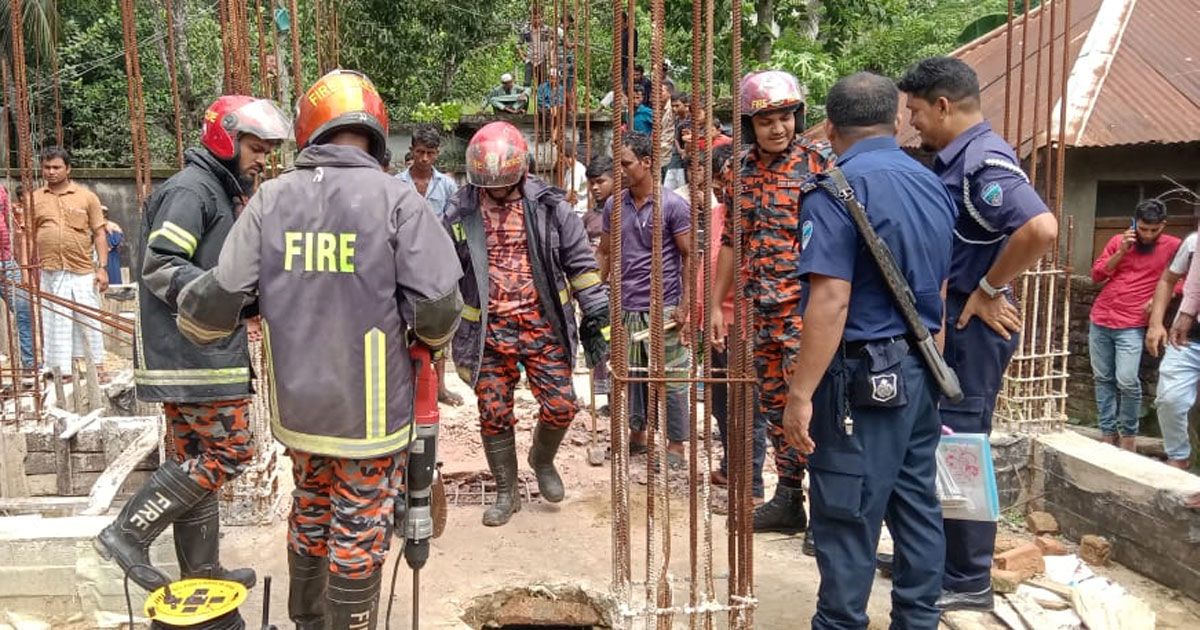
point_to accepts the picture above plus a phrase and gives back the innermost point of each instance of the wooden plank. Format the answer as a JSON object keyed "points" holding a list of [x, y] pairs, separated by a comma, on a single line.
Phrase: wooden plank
{"points": [[62, 459], [110, 481], [76, 426], [88, 463], [77, 388], [42, 505], [95, 398], [60, 392], [42, 485], [40, 441], [1062, 590], [1006, 613], [1030, 612]]}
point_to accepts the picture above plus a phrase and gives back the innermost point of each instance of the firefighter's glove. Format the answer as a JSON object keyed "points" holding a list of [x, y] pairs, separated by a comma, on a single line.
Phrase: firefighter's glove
{"points": [[593, 334]]}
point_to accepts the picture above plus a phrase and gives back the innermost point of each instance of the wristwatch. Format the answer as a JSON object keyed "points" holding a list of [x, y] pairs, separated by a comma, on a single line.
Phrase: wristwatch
{"points": [[991, 291]]}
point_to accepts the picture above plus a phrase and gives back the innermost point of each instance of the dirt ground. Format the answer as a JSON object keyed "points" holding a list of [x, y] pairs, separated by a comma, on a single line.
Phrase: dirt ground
{"points": [[571, 543]]}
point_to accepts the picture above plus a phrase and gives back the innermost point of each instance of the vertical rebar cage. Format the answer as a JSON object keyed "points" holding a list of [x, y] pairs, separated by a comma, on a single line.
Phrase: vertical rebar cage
{"points": [[1034, 395], [668, 594]]}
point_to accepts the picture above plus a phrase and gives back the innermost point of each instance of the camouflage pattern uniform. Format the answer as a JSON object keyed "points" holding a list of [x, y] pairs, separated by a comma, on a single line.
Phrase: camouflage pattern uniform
{"points": [[519, 332], [770, 218], [212, 440], [342, 509]]}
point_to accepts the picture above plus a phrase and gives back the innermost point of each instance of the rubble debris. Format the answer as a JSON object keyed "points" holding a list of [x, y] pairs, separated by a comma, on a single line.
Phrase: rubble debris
{"points": [[1025, 560], [1007, 542], [1095, 550], [1052, 604], [1050, 546], [1004, 581], [1104, 605], [1067, 570], [1041, 523]]}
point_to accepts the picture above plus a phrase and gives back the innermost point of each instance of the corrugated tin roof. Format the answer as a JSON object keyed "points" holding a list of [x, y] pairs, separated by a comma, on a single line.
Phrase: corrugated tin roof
{"points": [[1150, 93]]}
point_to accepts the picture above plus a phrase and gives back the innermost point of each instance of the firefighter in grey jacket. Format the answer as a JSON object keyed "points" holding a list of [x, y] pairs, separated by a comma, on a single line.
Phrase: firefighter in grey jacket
{"points": [[205, 392], [524, 254], [346, 263]]}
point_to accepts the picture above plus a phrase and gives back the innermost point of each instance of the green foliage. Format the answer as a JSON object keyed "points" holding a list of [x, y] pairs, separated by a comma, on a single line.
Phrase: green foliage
{"points": [[445, 115], [990, 22], [437, 63]]}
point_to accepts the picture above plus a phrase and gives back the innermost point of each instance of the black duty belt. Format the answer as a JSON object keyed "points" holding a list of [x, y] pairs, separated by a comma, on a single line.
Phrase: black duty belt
{"points": [[855, 348]]}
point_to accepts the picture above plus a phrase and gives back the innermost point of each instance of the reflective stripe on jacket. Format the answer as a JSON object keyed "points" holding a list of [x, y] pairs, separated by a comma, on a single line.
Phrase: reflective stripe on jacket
{"points": [[563, 262], [184, 226]]}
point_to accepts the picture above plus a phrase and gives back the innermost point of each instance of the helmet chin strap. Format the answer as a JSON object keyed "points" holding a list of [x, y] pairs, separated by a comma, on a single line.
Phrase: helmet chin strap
{"points": [[231, 166]]}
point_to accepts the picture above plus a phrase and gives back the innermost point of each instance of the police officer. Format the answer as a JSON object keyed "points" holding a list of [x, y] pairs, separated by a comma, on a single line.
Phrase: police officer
{"points": [[204, 391], [861, 401], [1003, 228], [346, 263]]}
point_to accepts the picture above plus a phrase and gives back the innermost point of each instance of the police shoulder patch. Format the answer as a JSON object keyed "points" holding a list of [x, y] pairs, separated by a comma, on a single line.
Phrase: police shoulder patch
{"points": [[806, 232], [993, 194]]}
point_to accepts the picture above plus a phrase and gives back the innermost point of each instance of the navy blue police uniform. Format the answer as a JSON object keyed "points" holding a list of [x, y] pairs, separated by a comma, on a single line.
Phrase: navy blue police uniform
{"points": [[875, 419], [994, 199]]}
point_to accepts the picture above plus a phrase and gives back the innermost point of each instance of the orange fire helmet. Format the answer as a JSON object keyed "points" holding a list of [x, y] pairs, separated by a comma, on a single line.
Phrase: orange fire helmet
{"points": [[342, 99]]}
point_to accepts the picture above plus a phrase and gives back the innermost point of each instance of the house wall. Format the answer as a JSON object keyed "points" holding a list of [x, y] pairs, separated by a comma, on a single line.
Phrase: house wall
{"points": [[1085, 168]]}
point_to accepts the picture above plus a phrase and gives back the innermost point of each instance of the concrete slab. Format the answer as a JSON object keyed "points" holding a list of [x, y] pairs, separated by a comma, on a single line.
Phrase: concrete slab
{"points": [[1135, 502]]}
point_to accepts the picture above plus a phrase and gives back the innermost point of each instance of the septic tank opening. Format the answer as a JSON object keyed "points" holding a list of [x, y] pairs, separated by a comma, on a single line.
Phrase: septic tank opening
{"points": [[539, 607]]}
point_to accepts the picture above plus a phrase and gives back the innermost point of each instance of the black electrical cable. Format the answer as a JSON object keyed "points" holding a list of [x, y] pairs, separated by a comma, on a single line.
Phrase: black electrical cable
{"points": [[387, 621]]}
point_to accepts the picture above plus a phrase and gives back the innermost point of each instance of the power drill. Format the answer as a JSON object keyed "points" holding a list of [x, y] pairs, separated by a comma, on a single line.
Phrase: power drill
{"points": [[422, 464]]}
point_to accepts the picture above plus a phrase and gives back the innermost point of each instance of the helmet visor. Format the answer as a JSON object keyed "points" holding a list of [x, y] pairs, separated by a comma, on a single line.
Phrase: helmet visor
{"points": [[264, 119]]}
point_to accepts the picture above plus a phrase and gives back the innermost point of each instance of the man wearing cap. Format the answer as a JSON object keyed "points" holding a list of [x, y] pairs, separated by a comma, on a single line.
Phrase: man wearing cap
{"points": [[507, 98]]}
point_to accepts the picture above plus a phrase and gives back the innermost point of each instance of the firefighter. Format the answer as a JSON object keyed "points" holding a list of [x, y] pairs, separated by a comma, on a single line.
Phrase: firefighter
{"points": [[346, 263], [524, 254], [204, 391], [772, 171]]}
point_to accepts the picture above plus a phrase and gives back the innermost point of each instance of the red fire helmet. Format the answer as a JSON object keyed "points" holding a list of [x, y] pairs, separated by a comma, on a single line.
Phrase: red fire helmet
{"points": [[233, 115], [497, 156]]}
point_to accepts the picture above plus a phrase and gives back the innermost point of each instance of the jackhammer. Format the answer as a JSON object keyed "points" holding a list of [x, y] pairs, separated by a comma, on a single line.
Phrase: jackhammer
{"points": [[422, 470]]}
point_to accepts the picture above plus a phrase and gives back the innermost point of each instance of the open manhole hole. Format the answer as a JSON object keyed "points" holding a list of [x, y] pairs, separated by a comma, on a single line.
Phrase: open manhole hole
{"points": [[540, 607], [478, 487]]}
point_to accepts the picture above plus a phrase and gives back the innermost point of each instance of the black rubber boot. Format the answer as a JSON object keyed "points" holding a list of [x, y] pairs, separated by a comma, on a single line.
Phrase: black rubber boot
{"points": [[784, 513], [197, 545], [501, 453], [982, 601], [541, 459], [809, 548], [352, 604], [307, 576], [884, 562], [167, 495]]}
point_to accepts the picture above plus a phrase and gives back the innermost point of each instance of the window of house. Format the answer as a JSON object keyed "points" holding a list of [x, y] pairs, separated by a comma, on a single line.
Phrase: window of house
{"points": [[1116, 200]]}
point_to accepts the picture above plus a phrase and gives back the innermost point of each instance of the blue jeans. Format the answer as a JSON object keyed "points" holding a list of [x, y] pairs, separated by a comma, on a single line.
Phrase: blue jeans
{"points": [[18, 302], [1116, 359], [1178, 375]]}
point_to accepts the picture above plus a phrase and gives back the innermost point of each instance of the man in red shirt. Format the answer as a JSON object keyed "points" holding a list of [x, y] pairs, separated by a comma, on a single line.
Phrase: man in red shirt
{"points": [[1129, 267]]}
